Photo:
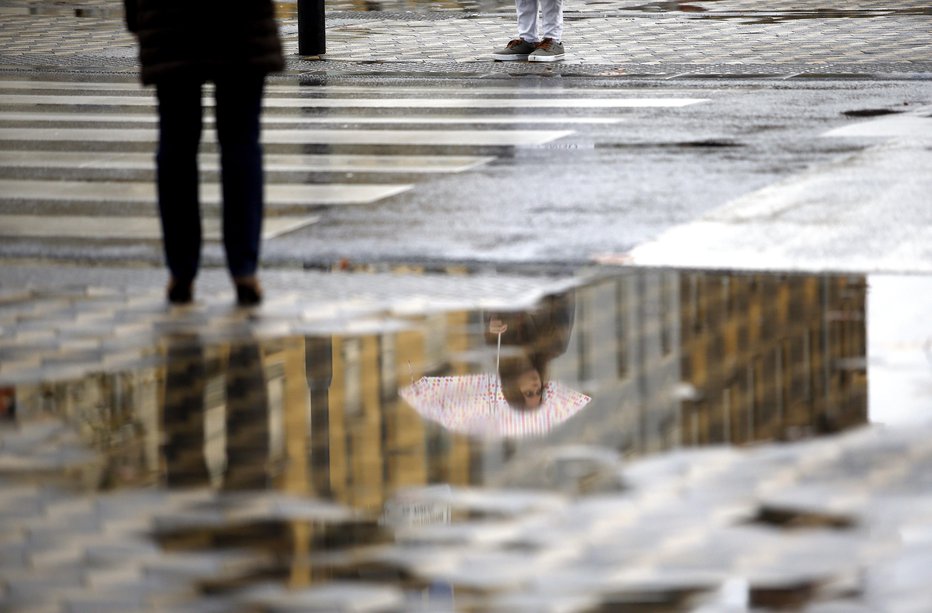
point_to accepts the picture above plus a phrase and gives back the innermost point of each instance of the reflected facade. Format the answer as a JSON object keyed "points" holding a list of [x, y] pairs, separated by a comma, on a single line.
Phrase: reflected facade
{"points": [[669, 359]]}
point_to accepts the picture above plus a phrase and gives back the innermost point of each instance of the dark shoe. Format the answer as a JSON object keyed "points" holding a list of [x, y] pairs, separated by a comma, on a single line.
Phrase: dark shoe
{"points": [[248, 291], [179, 292], [517, 49]]}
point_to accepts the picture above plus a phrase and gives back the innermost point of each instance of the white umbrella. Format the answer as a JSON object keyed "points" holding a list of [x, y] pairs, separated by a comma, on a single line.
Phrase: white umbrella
{"points": [[475, 405]]}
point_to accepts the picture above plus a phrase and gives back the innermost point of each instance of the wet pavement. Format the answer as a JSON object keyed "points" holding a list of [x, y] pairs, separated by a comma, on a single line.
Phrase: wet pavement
{"points": [[699, 380], [704, 441], [735, 38]]}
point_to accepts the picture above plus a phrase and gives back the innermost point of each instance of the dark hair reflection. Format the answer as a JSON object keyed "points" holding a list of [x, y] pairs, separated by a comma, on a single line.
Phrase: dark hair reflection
{"points": [[532, 339], [523, 379], [185, 411]]}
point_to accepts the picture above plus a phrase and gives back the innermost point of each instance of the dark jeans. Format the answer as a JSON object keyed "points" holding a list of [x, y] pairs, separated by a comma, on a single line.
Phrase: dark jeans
{"points": [[238, 106]]}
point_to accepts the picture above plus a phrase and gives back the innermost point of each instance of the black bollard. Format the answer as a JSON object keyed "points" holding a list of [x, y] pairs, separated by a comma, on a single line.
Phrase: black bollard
{"points": [[312, 40]]}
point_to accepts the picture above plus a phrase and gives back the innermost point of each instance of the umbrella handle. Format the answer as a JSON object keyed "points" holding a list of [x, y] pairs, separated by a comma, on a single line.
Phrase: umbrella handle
{"points": [[498, 360]]}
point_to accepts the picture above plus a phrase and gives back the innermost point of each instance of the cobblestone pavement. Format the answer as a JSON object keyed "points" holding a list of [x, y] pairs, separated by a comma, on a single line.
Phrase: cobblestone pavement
{"points": [[48, 335], [669, 38], [834, 525]]}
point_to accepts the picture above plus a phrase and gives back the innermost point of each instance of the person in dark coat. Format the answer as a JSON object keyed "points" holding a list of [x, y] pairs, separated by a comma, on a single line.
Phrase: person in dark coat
{"points": [[182, 45]]}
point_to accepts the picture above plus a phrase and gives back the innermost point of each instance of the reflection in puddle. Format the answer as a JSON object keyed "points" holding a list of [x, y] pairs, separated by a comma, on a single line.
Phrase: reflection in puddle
{"points": [[683, 6], [306, 461], [518, 398]]}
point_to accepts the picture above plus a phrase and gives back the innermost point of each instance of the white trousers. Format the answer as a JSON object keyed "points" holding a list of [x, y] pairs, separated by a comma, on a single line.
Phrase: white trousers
{"points": [[549, 25]]}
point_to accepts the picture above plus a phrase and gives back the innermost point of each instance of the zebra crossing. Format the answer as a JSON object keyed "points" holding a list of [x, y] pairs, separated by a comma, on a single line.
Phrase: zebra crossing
{"points": [[76, 158]]}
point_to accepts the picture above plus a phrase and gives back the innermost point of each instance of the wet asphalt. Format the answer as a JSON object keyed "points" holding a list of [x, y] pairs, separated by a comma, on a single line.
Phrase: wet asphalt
{"points": [[590, 196]]}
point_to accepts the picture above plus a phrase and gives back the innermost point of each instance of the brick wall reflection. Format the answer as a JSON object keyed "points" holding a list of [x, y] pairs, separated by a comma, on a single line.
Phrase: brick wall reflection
{"points": [[771, 357], [669, 358]]}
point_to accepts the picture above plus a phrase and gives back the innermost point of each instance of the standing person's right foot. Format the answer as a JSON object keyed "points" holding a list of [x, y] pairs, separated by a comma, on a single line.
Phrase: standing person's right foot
{"points": [[180, 292], [248, 291], [517, 49], [548, 50]]}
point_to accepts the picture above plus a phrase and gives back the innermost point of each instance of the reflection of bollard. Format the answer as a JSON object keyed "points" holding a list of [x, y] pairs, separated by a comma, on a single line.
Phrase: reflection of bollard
{"points": [[311, 37]]}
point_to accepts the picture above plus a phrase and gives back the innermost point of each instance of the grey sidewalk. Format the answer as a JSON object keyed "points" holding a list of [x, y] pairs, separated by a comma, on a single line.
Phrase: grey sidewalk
{"points": [[621, 38]]}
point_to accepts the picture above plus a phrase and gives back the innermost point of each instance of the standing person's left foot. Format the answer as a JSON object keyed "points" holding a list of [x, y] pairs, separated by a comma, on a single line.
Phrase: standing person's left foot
{"points": [[548, 50], [248, 291]]}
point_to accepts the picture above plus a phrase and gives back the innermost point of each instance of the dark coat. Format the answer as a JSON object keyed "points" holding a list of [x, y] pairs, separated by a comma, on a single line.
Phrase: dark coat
{"points": [[204, 39]]}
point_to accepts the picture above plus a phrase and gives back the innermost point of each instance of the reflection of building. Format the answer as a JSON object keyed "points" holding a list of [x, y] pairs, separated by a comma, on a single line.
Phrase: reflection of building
{"points": [[703, 358], [372, 444], [104, 412], [669, 359], [623, 353], [771, 357]]}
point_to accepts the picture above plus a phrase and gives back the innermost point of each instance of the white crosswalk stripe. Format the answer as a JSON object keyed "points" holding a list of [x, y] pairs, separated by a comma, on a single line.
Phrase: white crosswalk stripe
{"points": [[421, 164], [272, 120], [447, 138], [76, 158], [459, 102]]}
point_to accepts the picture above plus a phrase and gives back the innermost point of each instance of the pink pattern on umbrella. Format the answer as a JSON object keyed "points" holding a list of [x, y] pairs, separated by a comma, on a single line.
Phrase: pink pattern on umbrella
{"points": [[475, 405]]}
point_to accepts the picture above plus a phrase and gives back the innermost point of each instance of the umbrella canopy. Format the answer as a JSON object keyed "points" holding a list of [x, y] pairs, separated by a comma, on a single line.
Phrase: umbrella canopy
{"points": [[475, 405]]}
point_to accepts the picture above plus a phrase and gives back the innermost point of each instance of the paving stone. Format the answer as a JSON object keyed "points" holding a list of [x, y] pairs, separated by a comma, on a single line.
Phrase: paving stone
{"points": [[726, 32], [333, 597], [188, 567]]}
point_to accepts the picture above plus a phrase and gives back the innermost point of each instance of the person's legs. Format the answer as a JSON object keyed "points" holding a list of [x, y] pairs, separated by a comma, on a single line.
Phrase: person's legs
{"points": [[550, 47], [184, 413], [239, 102], [551, 19], [520, 48], [179, 103], [527, 20], [247, 419]]}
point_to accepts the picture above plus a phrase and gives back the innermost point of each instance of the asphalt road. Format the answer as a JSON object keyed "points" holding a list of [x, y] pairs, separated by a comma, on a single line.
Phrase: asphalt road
{"points": [[605, 180], [745, 145]]}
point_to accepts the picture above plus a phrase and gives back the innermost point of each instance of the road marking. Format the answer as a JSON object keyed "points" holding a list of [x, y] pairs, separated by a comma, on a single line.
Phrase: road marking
{"points": [[445, 138], [823, 218], [271, 120], [69, 116], [891, 126], [138, 192], [127, 228], [374, 103], [103, 160], [380, 90]]}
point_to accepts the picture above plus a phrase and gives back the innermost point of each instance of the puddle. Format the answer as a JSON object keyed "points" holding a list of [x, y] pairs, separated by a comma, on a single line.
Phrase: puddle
{"points": [[870, 112], [682, 6], [259, 468]]}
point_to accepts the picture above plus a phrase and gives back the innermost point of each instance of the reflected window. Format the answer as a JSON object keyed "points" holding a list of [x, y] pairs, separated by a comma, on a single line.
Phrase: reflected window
{"points": [[621, 330]]}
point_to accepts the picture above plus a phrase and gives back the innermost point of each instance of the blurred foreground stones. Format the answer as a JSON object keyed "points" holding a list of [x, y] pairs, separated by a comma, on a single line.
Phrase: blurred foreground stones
{"points": [[835, 524]]}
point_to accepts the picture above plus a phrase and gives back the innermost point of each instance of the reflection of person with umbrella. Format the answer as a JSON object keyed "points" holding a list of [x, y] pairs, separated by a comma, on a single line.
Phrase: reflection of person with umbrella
{"points": [[518, 400], [539, 335]]}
